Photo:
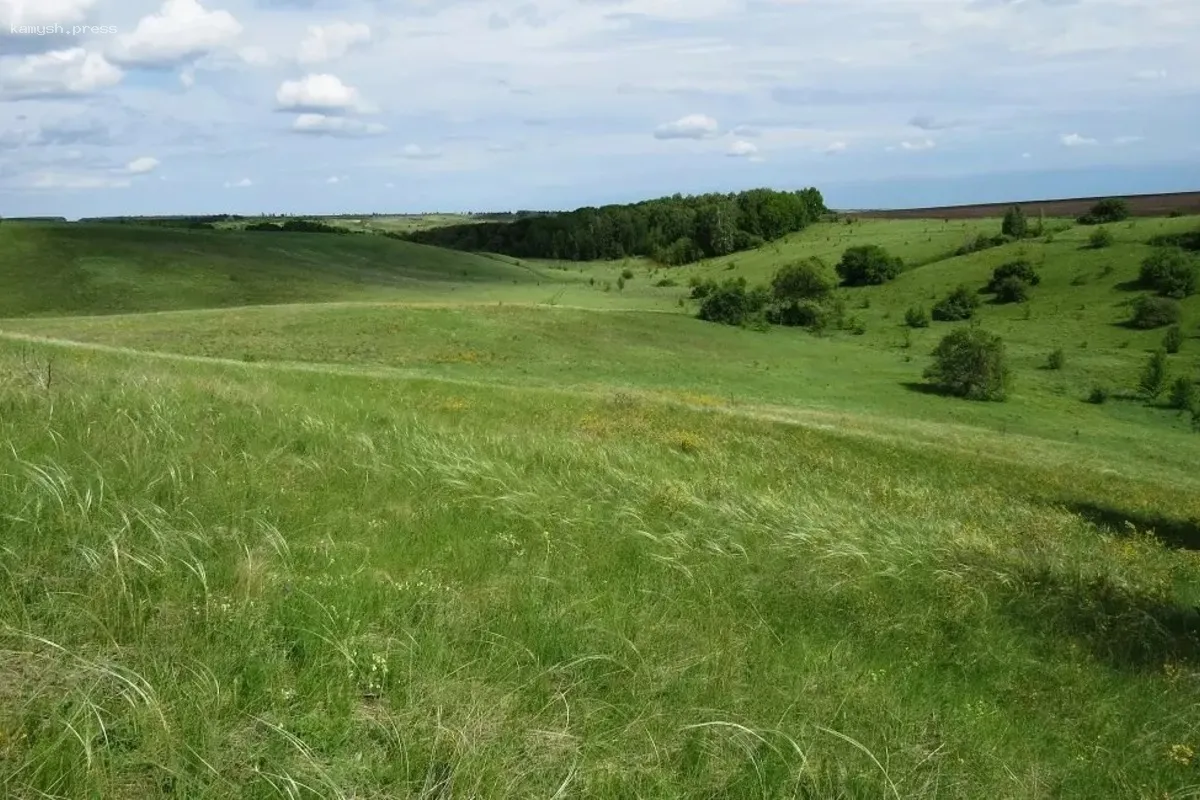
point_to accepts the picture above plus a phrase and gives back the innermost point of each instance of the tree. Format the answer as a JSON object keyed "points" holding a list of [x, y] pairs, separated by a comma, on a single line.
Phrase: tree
{"points": [[1015, 224], [1170, 272], [1100, 239], [1154, 375], [1173, 340], [868, 264], [960, 304], [1022, 269], [1106, 211], [802, 280], [732, 303], [970, 362], [1012, 290], [1155, 312]]}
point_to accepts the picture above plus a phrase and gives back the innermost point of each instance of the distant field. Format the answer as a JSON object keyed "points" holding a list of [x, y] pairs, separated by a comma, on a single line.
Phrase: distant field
{"points": [[1145, 205], [313, 515]]}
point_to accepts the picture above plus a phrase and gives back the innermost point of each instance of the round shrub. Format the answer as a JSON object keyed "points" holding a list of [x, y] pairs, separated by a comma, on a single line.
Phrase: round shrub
{"points": [[1100, 239], [1056, 360], [1170, 272], [1173, 340], [867, 265], [970, 363], [1021, 269], [1155, 312], [1012, 290], [916, 317], [1183, 394], [803, 280], [732, 303], [960, 304]]}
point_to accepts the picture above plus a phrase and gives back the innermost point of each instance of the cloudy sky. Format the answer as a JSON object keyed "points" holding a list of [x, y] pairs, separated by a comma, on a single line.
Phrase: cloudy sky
{"points": [[319, 106]]}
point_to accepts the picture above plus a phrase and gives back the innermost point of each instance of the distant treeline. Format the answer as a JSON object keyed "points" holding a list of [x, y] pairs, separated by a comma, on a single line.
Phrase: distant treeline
{"points": [[35, 219], [670, 230], [204, 221], [297, 226]]}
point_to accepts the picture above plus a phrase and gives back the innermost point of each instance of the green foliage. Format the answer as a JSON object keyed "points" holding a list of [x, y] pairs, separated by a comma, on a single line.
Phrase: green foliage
{"points": [[960, 304], [1173, 339], [866, 265], [1012, 290], [1056, 360], [733, 303], [1021, 269], [982, 242], [627, 274], [970, 362], [666, 282], [1015, 224], [1099, 395], [916, 317], [1100, 239], [1155, 376], [1170, 272], [1184, 395], [1155, 312], [701, 288], [1189, 240], [1106, 211], [802, 280], [621, 283], [671, 230]]}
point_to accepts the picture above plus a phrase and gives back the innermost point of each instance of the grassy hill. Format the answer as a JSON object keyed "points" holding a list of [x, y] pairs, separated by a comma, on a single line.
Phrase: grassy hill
{"points": [[442, 535]]}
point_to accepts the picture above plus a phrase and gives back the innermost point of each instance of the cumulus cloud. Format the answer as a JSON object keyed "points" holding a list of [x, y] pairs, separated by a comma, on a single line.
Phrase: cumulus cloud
{"points": [[1075, 140], [329, 42], [741, 149], [693, 126], [59, 72], [318, 94], [182, 30], [18, 13], [143, 165], [325, 125], [242, 184]]}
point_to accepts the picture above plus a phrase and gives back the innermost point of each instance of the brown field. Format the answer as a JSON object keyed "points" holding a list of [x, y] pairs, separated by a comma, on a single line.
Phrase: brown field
{"points": [[1143, 205]]}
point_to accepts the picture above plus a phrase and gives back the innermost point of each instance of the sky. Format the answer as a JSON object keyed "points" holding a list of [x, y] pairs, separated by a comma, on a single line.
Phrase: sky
{"points": [[404, 106]]}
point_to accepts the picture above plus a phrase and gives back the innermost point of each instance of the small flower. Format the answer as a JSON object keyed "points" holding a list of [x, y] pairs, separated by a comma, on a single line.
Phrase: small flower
{"points": [[1182, 754]]}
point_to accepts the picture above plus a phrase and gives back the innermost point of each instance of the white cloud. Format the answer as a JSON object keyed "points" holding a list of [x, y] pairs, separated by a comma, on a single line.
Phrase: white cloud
{"points": [[920, 144], [693, 126], [333, 179], [140, 166], [1075, 140], [61, 181], [742, 149], [182, 30], [835, 148], [324, 125], [329, 42], [1128, 139], [242, 184], [1150, 75], [17, 13], [320, 94], [73, 71], [417, 153]]}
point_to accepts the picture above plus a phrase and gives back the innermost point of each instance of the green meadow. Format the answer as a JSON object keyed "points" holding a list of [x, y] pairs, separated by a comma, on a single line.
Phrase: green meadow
{"points": [[303, 515]]}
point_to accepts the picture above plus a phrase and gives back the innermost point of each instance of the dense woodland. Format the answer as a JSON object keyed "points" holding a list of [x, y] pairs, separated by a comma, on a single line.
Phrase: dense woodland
{"points": [[671, 230]]}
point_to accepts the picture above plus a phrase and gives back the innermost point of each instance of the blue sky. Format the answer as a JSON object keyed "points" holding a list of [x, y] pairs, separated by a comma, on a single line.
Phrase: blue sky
{"points": [[325, 106]]}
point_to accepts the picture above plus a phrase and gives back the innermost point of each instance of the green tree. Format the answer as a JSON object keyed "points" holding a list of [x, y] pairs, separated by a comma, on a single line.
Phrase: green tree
{"points": [[1155, 312], [802, 280], [960, 304], [970, 362], [868, 264], [1022, 269], [1015, 223], [1012, 290], [1170, 272], [1110, 210], [1155, 376], [733, 303], [1173, 340]]}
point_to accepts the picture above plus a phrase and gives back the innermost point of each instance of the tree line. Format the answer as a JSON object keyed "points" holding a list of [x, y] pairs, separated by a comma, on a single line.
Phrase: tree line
{"points": [[670, 230]]}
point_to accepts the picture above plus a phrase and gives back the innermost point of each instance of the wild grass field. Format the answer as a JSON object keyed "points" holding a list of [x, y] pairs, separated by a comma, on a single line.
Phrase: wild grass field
{"points": [[379, 528]]}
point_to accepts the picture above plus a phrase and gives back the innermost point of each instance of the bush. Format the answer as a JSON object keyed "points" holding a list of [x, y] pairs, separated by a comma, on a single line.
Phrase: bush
{"points": [[1099, 395], [666, 282], [1015, 224], [732, 303], [702, 288], [1012, 290], [969, 362], [958, 305], [1184, 395], [1155, 312], [627, 274], [1020, 269], [916, 317], [803, 280], [982, 242], [621, 284], [1106, 211], [1100, 239], [1173, 340], [867, 265], [1170, 272], [1056, 360], [1154, 375]]}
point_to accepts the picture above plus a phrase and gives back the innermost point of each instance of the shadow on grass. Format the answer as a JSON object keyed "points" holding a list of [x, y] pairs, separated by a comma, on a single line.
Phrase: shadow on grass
{"points": [[1123, 626], [925, 388], [1134, 285], [1176, 533]]}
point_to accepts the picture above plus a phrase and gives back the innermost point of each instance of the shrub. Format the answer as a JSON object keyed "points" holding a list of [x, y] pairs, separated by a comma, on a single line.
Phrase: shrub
{"points": [[803, 280], [1155, 312], [1106, 211], [1173, 340], [1056, 360], [1154, 375], [702, 288], [1100, 239], [856, 326], [982, 242], [621, 283], [1099, 395], [666, 282], [868, 264], [1020, 269], [969, 362], [1184, 395], [627, 274], [960, 304], [1012, 290], [916, 317], [1170, 272], [1015, 224], [732, 303]]}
